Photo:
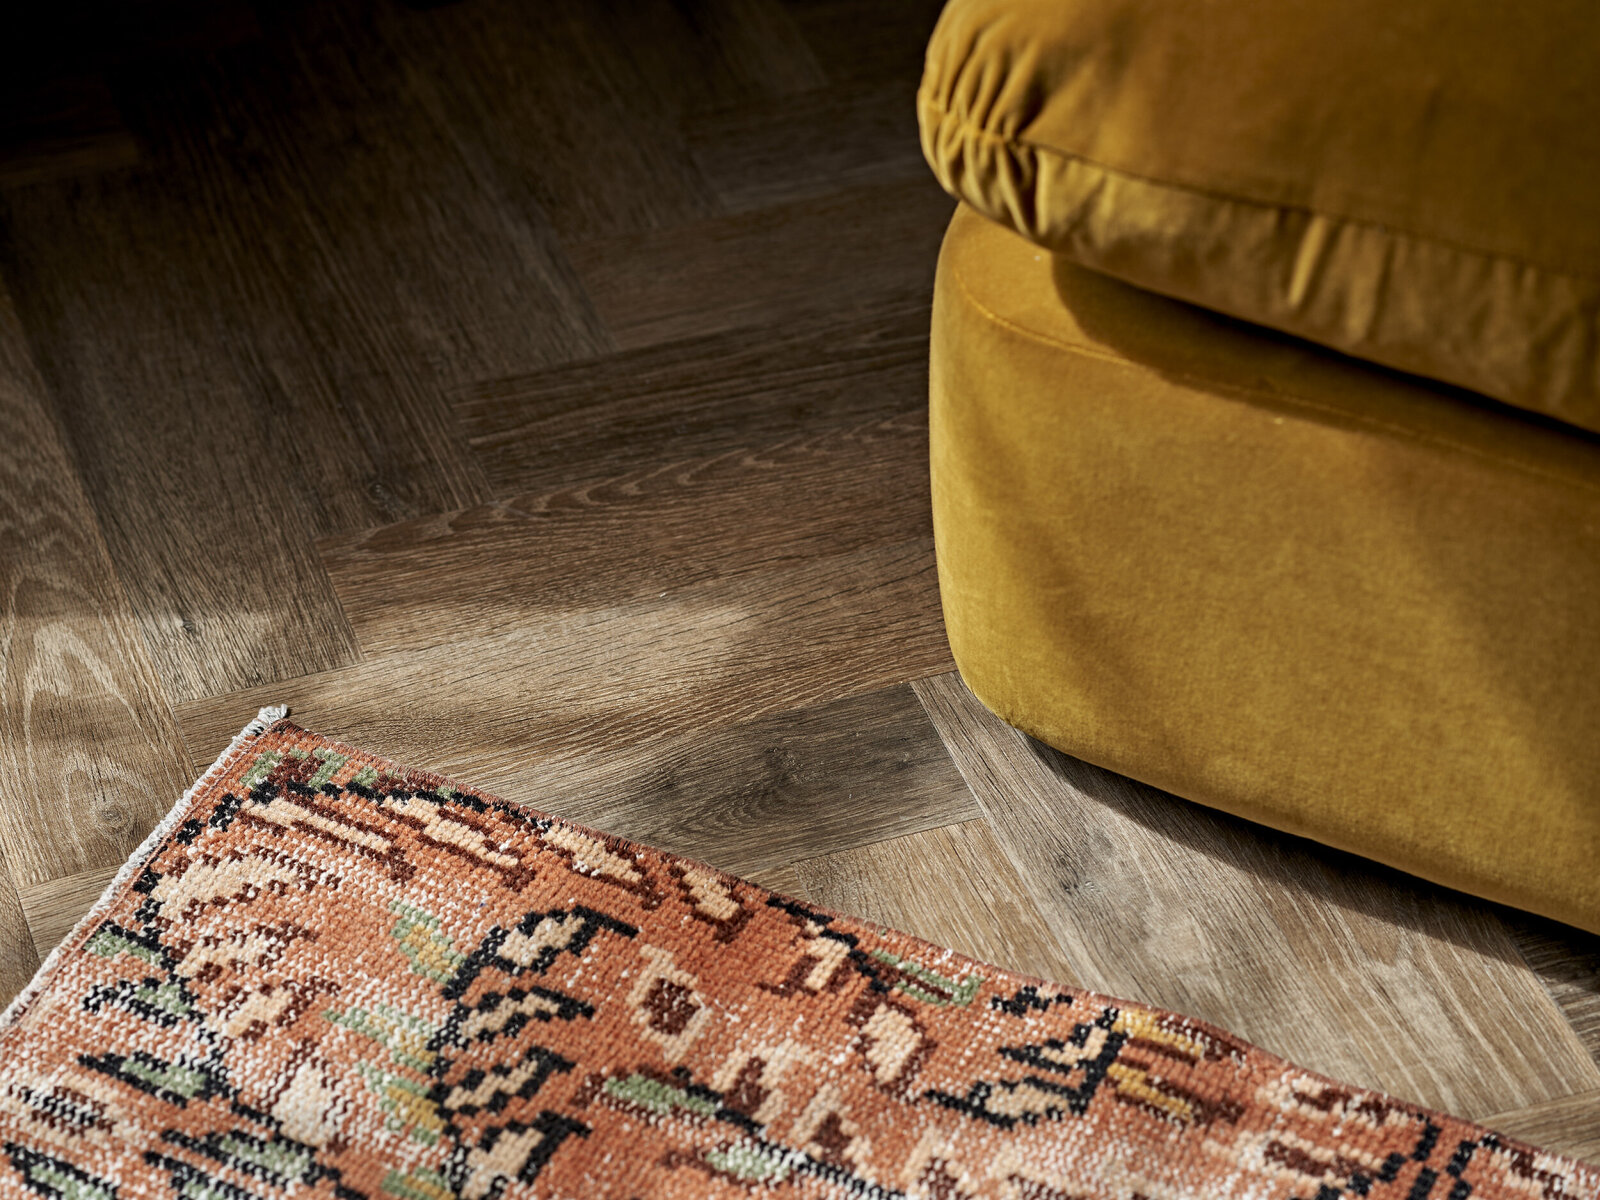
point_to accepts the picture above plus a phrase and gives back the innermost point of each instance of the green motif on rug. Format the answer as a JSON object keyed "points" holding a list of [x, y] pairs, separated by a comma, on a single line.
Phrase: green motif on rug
{"points": [[929, 986], [404, 1084], [431, 954]]}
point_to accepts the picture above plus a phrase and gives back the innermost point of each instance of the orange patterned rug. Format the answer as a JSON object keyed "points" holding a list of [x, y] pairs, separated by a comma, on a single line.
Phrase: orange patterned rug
{"points": [[326, 975]]}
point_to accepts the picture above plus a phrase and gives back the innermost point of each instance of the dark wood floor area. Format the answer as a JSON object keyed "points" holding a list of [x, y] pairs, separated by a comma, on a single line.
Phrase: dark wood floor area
{"points": [[535, 393]]}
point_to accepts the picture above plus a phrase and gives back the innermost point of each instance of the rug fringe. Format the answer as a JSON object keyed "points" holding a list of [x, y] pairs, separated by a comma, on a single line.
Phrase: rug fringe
{"points": [[264, 720]]}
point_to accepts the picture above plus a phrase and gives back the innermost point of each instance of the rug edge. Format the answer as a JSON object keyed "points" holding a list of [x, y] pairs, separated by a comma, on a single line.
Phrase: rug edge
{"points": [[258, 725], [1588, 1172], [270, 718]]}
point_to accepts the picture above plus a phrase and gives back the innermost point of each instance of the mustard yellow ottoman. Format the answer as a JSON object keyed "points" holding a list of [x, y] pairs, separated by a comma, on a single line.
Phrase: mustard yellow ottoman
{"points": [[1268, 578], [1261, 572]]}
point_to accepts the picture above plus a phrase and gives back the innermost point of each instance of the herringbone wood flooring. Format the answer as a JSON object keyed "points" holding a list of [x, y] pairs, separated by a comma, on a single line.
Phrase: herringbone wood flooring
{"points": [[535, 393]]}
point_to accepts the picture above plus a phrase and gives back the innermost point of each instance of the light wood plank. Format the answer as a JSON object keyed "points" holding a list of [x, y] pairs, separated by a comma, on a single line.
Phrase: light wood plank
{"points": [[1569, 1125], [52, 909], [1425, 980], [784, 880], [952, 885], [89, 757], [557, 681], [699, 398], [682, 525], [1567, 962], [1349, 970], [777, 264], [18, 957], [752, 797]]}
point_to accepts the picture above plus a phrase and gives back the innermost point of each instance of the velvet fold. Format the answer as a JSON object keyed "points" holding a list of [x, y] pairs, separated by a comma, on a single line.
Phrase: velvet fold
{"points": [[1416, 184]]}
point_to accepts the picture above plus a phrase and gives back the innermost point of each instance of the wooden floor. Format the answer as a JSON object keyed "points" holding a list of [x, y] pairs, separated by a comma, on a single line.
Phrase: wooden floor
{"points": [[535, 393]]}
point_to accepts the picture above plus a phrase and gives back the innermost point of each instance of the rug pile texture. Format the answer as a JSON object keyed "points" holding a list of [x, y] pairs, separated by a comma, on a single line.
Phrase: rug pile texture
{"points": [[329, 976]]}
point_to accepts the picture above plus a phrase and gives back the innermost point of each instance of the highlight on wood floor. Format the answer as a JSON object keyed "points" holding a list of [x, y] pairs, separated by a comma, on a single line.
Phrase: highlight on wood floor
{"points": [[542, 402]]}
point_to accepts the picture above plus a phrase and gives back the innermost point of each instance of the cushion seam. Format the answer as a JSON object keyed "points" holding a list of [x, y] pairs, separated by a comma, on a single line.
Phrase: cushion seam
{"points": [[967, 128], [1244, 391]]}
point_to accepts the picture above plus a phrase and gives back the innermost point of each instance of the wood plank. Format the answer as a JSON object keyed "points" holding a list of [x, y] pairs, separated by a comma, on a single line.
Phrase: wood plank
{"points": [[747, 797], [252, 300], [579, 113], [52, 909], [729, 50], [640, 537], [952, 885], [848, 250], [213, 551], [760, 154], [1342, 967], [1426, 980], [89, 757], [1567, 962], [702, 396], [784, 880], [583, 680], [403, 253], [752, 797], [18, 957], [1569, 1125]]}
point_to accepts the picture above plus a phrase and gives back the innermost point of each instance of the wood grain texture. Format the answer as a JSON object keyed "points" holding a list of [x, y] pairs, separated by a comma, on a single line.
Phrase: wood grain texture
{"points": [[783, 880], [19, 958], [759, 154], [638, 538], [1334, 963], [555, 681], [748, 797], [772, 265], [405, 254], [89, 757], [953, 885], [580, 112], [1570, 1125], [752, 797], [213, 551], [749, 458], [52, 909], [700, 397], [1567, 962], [250, 300]]}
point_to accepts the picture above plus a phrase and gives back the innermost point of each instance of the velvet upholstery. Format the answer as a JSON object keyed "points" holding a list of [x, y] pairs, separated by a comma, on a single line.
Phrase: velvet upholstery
{"points": [[1269, 578], [1415, 183]]}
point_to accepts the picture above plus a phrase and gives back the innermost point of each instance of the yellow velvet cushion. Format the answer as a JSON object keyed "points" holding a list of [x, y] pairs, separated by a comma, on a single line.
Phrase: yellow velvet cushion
{"points": [[1416, 182], [1303, 589]]}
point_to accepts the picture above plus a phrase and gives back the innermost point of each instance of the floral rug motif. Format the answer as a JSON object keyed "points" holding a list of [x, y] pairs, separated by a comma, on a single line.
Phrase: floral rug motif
{"points": [[329, 976]]}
